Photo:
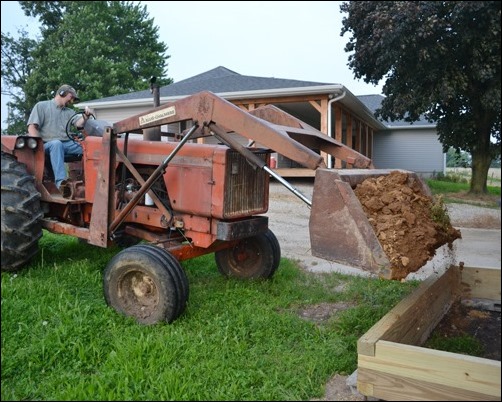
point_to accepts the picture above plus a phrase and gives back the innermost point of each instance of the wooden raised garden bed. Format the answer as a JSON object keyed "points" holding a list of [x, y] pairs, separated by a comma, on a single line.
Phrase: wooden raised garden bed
{"points": [[392, 365]]}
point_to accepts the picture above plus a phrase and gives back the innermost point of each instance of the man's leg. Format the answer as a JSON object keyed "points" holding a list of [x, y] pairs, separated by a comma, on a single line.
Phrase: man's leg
{"points": [[72, 148], [55, 150]]}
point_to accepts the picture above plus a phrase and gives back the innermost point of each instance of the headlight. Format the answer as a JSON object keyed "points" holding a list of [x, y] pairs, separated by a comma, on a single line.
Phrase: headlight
{"points": [[25, 141], [32, 143], [20, 142]]}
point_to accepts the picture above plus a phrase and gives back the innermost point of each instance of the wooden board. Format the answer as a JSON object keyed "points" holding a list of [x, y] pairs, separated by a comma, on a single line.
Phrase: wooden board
{"points": [[393, 366]]}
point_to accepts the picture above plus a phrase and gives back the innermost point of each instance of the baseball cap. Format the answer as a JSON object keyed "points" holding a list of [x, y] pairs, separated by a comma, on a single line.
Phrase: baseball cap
{"points": [[68, 89]]}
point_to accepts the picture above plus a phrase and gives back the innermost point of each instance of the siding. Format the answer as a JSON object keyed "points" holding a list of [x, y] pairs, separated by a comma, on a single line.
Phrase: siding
{"points": [[416, 150], [114, 115]]}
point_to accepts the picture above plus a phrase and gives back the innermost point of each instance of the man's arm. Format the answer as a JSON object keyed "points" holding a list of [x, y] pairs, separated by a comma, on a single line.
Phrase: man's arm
{"points": [[85, 116], [33, 130], [35, 120]]}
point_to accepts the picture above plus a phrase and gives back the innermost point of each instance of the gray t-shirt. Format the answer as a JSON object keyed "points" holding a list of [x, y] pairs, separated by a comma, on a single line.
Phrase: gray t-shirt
{"points": [[52, 120]]}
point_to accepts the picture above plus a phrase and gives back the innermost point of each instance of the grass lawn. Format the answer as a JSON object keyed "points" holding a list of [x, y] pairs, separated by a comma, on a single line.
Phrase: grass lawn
{"points": [[238, 340]]}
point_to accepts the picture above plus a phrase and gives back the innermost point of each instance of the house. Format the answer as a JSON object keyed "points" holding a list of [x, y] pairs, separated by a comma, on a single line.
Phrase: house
{"points": [[330, 108], [414, 147]]}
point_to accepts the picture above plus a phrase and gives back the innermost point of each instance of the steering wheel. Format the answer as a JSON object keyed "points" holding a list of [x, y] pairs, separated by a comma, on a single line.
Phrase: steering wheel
{"points": [[73, 132]]}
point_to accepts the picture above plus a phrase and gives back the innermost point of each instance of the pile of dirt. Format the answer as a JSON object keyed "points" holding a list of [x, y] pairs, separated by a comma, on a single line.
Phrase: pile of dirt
{"points": [[409, 224]]}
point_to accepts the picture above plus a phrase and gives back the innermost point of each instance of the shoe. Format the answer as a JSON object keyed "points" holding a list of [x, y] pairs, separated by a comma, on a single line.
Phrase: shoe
{"points": [[66, 188], [61, 183]]}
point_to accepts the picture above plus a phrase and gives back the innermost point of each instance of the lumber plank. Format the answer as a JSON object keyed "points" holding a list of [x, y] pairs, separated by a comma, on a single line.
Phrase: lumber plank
{"points": [[295, 172], [399, 388], [429, 366], [415, 317]]}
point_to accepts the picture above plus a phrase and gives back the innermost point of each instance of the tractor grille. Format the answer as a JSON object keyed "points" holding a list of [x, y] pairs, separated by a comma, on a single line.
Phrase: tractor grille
{"points": [[246, 188]]}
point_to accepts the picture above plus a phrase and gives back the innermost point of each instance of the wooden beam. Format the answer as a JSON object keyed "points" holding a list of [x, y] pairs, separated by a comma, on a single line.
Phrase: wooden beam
{"points": [[324, 124], [428, 370], [280, 99], [315, 105], [295, 172], [414, 318]]}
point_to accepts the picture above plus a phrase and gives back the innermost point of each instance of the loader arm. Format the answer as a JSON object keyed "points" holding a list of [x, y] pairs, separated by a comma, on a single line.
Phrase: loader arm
{"points": [[267, 126], [310, 137]]}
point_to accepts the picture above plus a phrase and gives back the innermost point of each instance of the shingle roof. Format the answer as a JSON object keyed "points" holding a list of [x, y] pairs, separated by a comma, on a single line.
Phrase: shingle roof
{"points": [[217, 80], [373, 102], [223, 80]]}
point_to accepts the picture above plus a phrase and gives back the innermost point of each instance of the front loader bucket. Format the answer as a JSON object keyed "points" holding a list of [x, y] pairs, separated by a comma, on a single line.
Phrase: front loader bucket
{"points": [[339, 228]]}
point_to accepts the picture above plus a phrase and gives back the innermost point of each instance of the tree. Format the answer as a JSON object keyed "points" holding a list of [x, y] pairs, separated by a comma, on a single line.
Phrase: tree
{"points": [[456, 158], [16, 67], [102, 48], [439, 59]]}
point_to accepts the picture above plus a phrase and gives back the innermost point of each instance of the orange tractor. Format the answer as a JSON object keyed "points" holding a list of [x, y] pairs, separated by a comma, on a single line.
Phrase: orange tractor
{"points": [[168, 201]]}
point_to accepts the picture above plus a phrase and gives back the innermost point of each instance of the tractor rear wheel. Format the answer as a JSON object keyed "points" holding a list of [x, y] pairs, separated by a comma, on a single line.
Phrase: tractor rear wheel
{"points": [[256, 257], [147, 283], [21, 214], [276, 246]]}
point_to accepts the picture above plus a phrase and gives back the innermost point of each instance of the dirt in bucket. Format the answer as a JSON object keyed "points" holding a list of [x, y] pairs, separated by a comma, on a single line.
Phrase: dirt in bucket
{"points": [[409, 224]]}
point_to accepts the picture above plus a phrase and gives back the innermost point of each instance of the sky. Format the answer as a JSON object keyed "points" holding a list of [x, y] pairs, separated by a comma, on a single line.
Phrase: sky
{"points": [[294, 40]]}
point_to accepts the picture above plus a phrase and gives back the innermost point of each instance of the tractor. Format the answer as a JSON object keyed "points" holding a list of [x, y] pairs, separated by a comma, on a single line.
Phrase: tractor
{"points": [[165, 201]]}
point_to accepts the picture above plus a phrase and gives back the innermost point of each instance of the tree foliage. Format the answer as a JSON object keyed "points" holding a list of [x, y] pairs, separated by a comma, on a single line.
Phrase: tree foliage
{"points": [[456, 158], [102, 48], [17, 62], [440, 60]]}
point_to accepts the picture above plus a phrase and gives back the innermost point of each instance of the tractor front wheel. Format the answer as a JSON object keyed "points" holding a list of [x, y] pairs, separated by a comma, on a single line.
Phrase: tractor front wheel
{"points": [[147, 283], [21, 214]]}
